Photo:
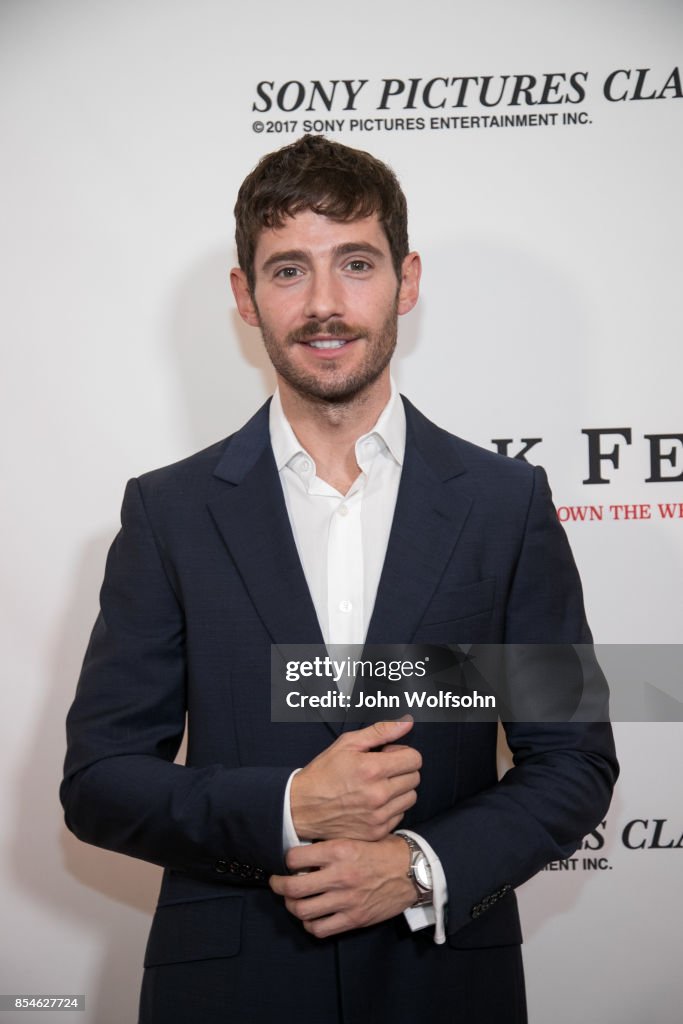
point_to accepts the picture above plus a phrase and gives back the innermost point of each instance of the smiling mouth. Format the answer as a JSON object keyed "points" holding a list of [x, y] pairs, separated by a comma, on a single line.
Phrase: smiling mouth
{"points": [[327, 337], [333, 343]]}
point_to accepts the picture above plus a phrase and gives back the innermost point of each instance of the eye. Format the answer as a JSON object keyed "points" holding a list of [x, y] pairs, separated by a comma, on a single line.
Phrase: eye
{"points": [[358, 266], [287, 273]]}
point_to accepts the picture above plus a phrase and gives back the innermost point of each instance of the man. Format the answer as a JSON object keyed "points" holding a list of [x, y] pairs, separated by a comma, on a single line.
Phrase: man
{"points": [[338, 514]]}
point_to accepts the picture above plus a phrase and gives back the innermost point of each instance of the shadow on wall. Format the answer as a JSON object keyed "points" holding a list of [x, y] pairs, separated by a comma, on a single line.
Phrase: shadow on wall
{"points": [[223, 371], [510, 338], [102, 894]]}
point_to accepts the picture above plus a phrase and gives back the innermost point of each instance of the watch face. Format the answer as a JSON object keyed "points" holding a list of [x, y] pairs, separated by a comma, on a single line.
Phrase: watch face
{"points": [[423, 873]]}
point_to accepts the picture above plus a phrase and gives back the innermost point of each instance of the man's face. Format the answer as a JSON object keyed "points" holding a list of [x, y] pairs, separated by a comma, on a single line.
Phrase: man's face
{"points": [[326, 298]]}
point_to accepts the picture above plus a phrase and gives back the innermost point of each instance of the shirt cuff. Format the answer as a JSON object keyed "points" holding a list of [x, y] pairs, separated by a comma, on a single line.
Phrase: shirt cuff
{"points": [[289, 834], [434, 913]]}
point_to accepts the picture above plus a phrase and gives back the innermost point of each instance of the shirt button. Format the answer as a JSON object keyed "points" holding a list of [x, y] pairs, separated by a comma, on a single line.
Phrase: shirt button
{"points": [[343, 510], [345, 606], [305, 465]]}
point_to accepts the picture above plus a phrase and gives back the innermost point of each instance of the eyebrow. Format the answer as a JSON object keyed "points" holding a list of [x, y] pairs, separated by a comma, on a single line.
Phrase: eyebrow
{"points": [[302, 256]]}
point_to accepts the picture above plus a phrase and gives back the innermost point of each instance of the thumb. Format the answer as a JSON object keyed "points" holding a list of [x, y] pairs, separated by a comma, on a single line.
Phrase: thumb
{"points": [[380, 733]]}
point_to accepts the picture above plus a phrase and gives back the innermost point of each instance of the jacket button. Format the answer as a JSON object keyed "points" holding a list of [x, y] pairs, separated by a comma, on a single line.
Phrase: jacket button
{"points": [[221, 866]]}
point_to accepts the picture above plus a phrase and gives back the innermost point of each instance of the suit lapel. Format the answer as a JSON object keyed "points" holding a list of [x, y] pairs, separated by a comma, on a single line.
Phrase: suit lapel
{"points": [[253, 521], [252, 518], [431, 509]]}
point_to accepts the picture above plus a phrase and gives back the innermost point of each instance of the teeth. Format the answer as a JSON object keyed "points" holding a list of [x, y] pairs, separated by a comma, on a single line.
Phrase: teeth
{"points": [[327, 344]]}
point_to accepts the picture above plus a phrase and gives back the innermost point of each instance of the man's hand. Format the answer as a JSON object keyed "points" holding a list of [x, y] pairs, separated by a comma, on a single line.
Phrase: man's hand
{"points": [[346, 884], [352, 790]]}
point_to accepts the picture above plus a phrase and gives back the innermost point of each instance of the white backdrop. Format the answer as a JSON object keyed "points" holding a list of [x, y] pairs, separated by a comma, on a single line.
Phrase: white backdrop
{"points": [[551, 305]]}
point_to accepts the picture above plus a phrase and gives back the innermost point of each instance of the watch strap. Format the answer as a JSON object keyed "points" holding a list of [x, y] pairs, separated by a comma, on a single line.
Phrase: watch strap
{"points": [[424, 892]]}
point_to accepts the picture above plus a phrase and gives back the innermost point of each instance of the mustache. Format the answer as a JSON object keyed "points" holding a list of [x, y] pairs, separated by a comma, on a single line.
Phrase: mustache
{"points": [[332, 329]]}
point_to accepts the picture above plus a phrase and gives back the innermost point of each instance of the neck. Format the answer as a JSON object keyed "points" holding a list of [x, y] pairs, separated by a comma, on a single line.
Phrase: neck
{"points": [[329, 431]]}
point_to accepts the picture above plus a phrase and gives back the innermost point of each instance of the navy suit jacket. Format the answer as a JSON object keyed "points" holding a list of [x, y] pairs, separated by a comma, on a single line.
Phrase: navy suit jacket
{"points": [[203, 577]]}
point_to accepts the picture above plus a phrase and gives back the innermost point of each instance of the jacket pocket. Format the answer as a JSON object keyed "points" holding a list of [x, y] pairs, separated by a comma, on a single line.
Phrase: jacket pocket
{"points": [[205, 929], [460, 603]]}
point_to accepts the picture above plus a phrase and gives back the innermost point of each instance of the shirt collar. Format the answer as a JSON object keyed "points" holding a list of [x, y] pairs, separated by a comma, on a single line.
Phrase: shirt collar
{"points": [[390, 430]]}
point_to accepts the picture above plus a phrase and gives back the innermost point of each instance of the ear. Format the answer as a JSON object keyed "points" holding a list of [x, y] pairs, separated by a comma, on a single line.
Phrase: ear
{"points": [[243, 297], [409, 288]]}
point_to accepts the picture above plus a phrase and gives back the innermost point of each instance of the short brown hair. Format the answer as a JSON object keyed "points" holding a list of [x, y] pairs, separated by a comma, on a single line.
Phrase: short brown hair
{"points": [[328, 178]]}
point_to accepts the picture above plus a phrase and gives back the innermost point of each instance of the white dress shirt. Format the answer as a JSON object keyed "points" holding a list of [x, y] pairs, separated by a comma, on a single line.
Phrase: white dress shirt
{"points": [[342, 541]]}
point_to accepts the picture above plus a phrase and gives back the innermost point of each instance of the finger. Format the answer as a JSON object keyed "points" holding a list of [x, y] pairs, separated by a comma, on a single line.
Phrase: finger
{"points": [[400, 784], [393, 823], [317, 906], [377, 734], [396, 761], [399, 805], [298, 887], [387, 818], [292, 885], [324, 927], [276, 883], [295, 887], [397, 784], [307, 858], [386, 799]]}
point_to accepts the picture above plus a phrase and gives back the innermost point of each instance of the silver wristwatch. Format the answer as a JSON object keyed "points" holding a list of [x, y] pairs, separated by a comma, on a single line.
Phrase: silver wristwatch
{"points": [[419, 872]]}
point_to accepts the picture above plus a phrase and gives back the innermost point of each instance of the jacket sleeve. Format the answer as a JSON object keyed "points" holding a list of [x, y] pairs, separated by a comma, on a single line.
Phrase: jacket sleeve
{"points": [[121, 789], [561, 783]]}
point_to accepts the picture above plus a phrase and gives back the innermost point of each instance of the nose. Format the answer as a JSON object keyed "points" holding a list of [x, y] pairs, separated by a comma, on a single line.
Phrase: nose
{"points": [[324, 296]]}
